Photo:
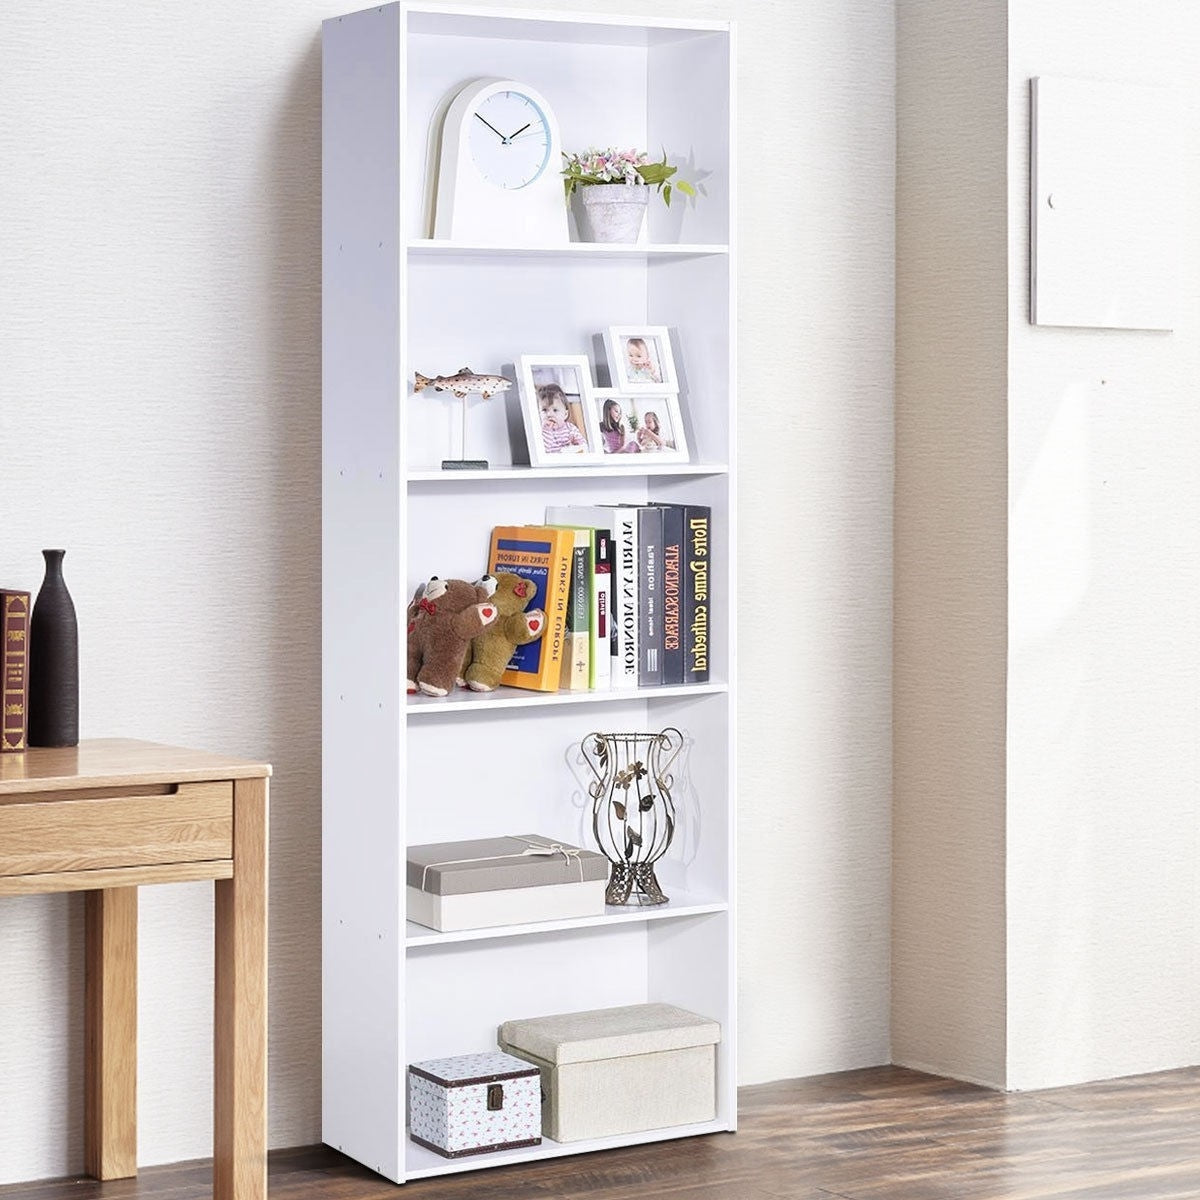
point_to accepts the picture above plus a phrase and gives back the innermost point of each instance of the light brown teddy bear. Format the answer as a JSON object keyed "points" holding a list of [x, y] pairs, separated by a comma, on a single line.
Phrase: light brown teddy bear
{"points": [[491, 649], [444, 619]]}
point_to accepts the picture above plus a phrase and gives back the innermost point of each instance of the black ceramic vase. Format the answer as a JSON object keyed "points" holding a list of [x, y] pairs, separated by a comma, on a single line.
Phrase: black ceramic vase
{"points": [[53, 661]]}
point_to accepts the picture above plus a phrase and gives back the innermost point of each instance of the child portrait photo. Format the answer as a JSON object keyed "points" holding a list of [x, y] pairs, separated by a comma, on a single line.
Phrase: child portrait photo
{"points": [[631, 424], [555, 395], [639, 359]]}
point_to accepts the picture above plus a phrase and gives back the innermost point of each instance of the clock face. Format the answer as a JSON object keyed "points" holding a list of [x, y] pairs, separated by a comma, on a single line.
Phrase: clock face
{"points": [[509, 139]]}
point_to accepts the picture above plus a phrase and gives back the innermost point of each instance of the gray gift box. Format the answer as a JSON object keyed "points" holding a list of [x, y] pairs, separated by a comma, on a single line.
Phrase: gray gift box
{"points": [[491, 864], [503, 881]]}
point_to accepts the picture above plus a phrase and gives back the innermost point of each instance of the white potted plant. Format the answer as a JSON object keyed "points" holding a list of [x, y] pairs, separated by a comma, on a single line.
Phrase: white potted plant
{"points": [[612, 189]]}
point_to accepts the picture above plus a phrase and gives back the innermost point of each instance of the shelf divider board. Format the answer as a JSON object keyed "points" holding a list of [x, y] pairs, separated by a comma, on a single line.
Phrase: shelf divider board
{"points": [[504, 698], [681, 905]]}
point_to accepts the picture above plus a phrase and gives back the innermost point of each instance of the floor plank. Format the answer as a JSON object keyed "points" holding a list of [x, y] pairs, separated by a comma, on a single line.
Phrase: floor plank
{"points": [[883, 1133]]}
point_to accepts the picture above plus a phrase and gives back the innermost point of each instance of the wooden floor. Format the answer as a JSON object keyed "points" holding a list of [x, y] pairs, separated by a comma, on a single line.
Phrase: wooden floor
{"points": [[878, 1134]]}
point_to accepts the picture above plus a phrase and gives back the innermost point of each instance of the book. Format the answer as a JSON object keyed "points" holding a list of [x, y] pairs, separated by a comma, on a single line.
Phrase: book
{"points": [[620, 523], [696, 618], [14, 669], [603, 629], [672, 596], [577, 653], [649, 594], [544, 556], [625, 595]]}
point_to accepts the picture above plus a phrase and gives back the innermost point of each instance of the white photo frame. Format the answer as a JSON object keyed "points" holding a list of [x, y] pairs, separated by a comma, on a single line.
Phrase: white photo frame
{"points": [[643, 427], [640, 359], [556, 402]]}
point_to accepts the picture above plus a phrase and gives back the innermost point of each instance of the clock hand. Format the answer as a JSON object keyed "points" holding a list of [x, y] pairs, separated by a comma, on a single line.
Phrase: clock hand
{"points": [[493, 129], [513, 136]]}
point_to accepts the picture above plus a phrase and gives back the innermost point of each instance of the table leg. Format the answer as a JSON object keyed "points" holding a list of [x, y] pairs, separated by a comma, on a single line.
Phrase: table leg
{"points": [[240, 1035], [110, 1033]]}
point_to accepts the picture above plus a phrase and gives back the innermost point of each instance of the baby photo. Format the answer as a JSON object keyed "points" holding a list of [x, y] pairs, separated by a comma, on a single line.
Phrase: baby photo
{"points": [[560, 409], [639, 358]]}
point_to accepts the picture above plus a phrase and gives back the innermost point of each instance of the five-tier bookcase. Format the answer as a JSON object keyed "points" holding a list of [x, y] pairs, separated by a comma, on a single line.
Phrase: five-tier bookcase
{"points": [[401, 770]]}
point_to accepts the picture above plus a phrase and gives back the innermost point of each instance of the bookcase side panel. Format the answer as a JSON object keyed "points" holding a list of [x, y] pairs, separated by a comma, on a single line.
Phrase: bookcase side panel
{"points": [[362, 613]]}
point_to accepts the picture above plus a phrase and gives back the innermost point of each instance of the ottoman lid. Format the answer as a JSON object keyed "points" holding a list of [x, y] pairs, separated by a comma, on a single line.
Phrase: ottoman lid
{"points": [[466, 1069], [609, 1033]]}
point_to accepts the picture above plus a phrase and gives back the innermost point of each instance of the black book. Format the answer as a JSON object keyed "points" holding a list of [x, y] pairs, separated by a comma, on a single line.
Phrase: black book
{"points": [[649, 599], [672, 592]]}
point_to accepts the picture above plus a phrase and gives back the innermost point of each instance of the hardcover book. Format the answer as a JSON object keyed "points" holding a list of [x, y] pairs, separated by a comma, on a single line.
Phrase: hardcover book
{"points": [[603, 629], [14, 668], [649, 601], [696, 616], [672, 596], [577, 653], [542, 555]]}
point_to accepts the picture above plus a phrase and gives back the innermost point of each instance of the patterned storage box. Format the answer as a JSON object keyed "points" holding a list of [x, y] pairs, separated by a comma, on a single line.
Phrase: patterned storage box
{"points": [[474, 1103]]}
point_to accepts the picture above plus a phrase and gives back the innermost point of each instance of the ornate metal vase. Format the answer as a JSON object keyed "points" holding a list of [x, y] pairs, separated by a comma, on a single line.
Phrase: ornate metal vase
{"points": [[633, 815]]}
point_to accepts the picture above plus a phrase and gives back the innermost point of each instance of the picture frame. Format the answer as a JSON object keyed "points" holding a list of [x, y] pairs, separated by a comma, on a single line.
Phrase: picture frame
{"points": [[640, 358], [644, 423], [556, 403]]}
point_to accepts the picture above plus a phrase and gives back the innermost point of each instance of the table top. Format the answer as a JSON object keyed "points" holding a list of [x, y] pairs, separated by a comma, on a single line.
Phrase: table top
{"points": [[117, 762]]}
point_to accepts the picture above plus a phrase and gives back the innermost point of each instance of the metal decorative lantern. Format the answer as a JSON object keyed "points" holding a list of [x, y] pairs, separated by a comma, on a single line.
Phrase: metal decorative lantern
{"points": [[633, 815]]}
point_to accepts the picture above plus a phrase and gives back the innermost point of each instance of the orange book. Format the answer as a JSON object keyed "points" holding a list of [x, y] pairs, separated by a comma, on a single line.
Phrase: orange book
{"points": [[543, 556]]}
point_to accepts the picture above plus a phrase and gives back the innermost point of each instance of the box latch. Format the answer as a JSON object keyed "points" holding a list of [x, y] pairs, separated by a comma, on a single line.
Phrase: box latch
{"points": [[495, 1097]]}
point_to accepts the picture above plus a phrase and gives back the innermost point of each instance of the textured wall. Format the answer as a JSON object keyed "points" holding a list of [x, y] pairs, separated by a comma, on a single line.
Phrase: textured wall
{"points": [[159, 417], [948, 941], [1104, 655]]}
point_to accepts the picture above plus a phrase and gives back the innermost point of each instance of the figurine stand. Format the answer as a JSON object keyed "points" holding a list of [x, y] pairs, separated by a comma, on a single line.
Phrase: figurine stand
{"points": [[464, 463]]}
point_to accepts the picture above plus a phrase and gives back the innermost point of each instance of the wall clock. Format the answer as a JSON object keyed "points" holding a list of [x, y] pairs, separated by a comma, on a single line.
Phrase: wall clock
{"points": [[498, 175]]}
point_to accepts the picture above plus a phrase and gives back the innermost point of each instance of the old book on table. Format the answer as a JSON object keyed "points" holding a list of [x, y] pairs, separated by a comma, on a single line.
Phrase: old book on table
{"points": [[696, 619], [544, 556], [14, 668]]}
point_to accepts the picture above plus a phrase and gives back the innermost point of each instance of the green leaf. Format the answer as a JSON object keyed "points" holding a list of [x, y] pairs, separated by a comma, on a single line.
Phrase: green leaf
{"points": [[666, 194], [686, 188]]}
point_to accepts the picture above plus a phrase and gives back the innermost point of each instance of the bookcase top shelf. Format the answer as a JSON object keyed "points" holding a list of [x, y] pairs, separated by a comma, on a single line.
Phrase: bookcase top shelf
{"points": [[505, 698]]}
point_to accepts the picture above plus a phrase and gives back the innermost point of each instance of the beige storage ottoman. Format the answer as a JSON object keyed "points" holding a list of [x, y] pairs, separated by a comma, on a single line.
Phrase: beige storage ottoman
{"points": [[619, 1070]]}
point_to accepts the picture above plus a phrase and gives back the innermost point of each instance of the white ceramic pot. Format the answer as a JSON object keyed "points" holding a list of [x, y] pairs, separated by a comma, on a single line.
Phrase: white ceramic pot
{"points": [[611, 212]]}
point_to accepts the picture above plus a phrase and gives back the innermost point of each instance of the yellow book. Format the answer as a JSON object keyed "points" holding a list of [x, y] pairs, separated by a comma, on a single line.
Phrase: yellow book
{"points": [[543, 556]]}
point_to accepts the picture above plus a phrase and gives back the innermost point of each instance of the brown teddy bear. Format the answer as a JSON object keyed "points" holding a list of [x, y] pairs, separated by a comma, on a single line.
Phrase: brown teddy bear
{"points": [[444, 617], [491, 649]]}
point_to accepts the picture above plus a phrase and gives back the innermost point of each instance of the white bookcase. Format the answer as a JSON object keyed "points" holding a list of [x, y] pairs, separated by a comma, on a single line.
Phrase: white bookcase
{"points": [[400, 770]]}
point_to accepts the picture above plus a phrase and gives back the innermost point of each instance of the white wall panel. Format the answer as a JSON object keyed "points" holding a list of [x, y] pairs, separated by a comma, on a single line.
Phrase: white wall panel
{"points": [[160, 417]]}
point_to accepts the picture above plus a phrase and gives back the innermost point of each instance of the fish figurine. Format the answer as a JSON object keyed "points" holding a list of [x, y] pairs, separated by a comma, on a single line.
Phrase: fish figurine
{"points": [[466, 382]]}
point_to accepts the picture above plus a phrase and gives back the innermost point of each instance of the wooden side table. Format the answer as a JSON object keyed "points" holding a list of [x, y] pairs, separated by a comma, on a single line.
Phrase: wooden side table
{"points": [[105, 817]]}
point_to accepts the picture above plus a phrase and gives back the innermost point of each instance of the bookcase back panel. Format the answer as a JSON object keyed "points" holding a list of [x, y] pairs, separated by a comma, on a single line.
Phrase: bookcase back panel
{"points": [[459, 994], [483, 313], [648, 88], [454, 543], [491, 775], [572, 77]]}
